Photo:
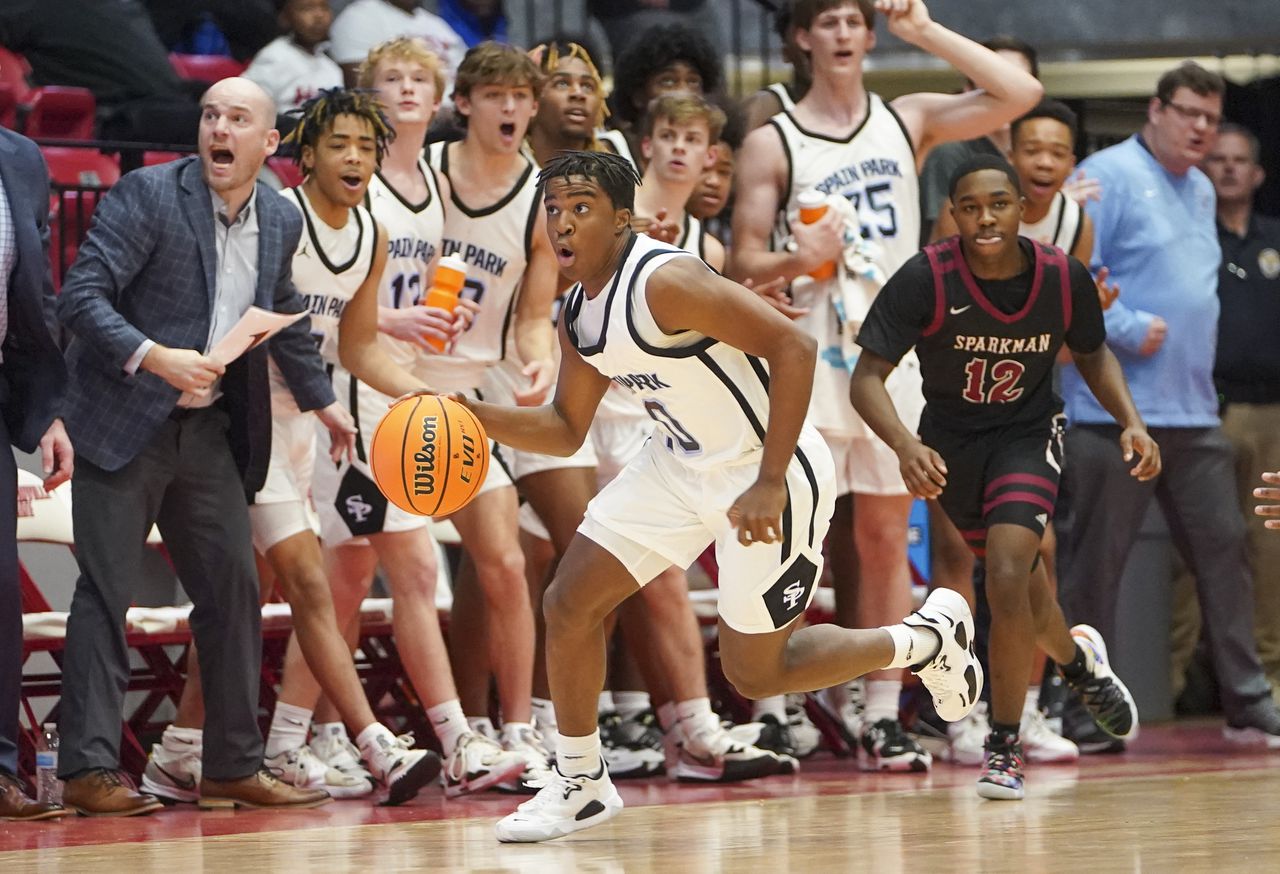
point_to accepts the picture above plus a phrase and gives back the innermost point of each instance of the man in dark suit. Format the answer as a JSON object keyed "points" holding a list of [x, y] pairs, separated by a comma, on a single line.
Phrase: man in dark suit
{"points": [[166, 434], [32, 379]]}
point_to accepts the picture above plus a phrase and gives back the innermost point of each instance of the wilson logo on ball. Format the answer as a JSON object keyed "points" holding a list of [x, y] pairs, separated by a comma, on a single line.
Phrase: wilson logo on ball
{"points": [[429, 455]]}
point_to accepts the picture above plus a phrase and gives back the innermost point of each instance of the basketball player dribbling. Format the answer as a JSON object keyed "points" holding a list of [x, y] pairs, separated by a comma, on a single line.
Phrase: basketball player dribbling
{"points": [[731, 462], [987, 312], [843, 140]]}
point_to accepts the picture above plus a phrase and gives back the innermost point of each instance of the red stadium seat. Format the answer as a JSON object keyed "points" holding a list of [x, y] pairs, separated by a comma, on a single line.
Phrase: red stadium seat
{"points": [[205, 68], [71, 166], [8, 106], [286, 170], [14, 71], [61, 112]]}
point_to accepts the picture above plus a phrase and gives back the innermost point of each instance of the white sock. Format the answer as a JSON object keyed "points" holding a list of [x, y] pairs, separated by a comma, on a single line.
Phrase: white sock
{"points": [[882, 700], [449, 724], [481, 725], [605, 703], [775, 707], [631, 705], [368, 739], [696, 716], [578, 755], [182, 740], [912, 646], [289, 726], [544, 714], [667, 717], [1032, 702]]}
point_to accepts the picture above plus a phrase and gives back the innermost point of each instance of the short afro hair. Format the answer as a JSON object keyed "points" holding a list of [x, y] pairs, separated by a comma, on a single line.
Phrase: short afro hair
{"points": [[615, 175], [983, 162], [1054, 109], [657, 48]]}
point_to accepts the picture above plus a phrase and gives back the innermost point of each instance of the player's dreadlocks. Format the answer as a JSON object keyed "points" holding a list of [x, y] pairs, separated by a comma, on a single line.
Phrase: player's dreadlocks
{"points": [[614, 174], [547, 55], [317, 115]]}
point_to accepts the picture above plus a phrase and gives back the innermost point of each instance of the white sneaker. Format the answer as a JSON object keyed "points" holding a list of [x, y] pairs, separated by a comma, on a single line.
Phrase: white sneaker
{"points": [[174, 776], [805, 737], [847, 706], [335, 749], [966, 739], [953, 676], [478, 763], [563, 806], [526, 742], [713, 756], [301, 769], [1040, 743], [1106, 698], [397, 765]]}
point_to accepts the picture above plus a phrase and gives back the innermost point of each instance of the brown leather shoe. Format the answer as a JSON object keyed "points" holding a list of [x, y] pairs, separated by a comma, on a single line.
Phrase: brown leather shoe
{"points": [[101, 792], [16, 805], [260, 789]]}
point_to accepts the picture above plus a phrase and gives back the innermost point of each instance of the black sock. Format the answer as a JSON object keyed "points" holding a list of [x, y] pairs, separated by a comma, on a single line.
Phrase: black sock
{"points": [[1003, 734], [1076, 668]]}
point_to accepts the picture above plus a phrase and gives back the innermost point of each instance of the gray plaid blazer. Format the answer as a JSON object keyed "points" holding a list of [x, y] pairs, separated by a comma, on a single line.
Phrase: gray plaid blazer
{"points": [[32, 376], [146, 271]]}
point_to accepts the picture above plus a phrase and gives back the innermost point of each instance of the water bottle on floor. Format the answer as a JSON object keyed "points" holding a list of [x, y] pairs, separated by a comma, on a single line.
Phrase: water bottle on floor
{"points": [[48, 786]]}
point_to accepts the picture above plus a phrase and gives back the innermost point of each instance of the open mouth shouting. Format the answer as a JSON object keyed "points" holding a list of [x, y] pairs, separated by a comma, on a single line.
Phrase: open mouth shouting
{"points": [[221, 160], [565, 256], [352, 182], [508, 131]]}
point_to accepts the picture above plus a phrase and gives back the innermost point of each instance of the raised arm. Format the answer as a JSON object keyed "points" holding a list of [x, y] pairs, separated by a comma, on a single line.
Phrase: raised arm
{"points": [[1002, 93]]}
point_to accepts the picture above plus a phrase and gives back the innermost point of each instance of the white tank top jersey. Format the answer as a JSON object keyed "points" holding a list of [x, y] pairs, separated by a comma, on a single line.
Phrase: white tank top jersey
{"points": [[495, 242], [329, 266], [617, 403], [710, 400], [615, 142], [414, 233], [875, 168], [1061, 225], [779, 90]]}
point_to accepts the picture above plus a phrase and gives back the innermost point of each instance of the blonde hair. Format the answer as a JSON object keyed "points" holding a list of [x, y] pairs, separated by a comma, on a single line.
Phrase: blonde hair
{"points": [[402, 48], [682, 109]]}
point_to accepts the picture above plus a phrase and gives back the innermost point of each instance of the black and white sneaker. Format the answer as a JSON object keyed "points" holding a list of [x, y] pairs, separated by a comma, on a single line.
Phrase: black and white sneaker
{"points": [[954, 675], [1104, 696], [563, 806], [886, 746]]}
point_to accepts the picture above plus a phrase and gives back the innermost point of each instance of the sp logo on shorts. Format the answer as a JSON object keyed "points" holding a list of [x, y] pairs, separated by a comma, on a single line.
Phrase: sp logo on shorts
{"points": [[360, 504], [790, 593]]}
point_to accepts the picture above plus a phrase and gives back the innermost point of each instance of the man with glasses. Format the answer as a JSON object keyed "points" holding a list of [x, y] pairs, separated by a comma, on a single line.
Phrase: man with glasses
{"points": [[1155, 229]]}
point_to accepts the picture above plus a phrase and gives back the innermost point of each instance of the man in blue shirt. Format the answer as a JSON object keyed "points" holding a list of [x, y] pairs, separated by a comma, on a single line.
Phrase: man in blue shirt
{"points": [[1155, 229]]}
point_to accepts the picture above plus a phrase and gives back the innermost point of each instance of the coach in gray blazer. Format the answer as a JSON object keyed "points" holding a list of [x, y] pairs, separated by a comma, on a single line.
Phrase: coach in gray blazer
{"points": [[32, 379], [165, 434]]}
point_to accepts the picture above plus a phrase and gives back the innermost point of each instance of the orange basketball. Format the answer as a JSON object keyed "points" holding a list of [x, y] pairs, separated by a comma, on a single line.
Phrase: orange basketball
{"points": [[429, 455]]}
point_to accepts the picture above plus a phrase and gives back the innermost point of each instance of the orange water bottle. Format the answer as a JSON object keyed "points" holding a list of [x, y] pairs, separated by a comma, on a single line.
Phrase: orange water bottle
{"points": [[813, 206], [451, 274]]}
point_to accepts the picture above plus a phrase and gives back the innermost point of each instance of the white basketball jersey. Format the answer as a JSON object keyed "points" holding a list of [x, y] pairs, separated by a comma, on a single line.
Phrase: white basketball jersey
{"points": [[710, 400], [329, 266], [495, 241], [1060, 226], [875, 168], [414, 232], [693, 237], [614, 141], [779, 90]]}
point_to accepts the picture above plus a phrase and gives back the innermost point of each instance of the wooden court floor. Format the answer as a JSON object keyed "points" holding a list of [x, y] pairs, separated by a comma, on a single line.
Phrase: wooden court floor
{"points": [[1181, 801]]}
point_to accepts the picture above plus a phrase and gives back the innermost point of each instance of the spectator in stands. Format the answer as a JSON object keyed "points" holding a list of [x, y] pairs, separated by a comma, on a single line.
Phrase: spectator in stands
{"points": [[944, 160], [32, 379], [623, 19], [366, 23], [1154, 229], [475, 20], [1247, 369], [167, 434], [666, 59], [245, 26], [111, 49], [293, 67]]}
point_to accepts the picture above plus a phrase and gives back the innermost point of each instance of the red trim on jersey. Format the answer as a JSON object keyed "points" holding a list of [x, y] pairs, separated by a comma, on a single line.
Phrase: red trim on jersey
{"points": [[976, 293], [939, 286]]}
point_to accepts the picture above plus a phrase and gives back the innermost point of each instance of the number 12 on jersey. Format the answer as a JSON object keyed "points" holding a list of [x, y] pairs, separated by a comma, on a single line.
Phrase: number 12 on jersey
{"points": [[1003, 387]]}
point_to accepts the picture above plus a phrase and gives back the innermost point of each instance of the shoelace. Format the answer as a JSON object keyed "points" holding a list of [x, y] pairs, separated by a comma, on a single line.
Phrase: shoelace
{"points": [[1101, 695], [556, 791], [1004, 760]]}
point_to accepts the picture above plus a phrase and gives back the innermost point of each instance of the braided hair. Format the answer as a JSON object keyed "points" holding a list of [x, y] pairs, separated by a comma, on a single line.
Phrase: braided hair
{"points": [[548, 55], [317, 115], [615, 175]]}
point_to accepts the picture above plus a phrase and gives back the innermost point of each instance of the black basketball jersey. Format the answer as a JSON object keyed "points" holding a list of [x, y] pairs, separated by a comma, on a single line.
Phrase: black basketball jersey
{"points": [[986, 347]]}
